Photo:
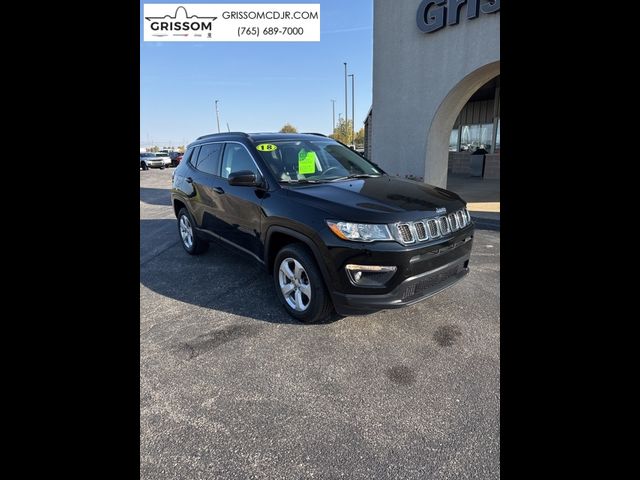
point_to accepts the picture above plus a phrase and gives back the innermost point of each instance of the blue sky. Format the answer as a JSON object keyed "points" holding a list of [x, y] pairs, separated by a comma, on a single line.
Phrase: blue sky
{"points": [[180, 81]]}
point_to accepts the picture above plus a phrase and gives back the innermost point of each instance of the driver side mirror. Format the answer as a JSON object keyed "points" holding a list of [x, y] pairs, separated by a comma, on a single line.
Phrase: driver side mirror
{"points": [[245, 178]]}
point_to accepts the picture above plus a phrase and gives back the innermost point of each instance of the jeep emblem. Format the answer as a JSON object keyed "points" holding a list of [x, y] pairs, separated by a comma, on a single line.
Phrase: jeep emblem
{"points": [[441, 211]]}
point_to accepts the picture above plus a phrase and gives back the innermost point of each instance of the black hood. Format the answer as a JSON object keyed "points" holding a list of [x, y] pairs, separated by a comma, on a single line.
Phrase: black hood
{"points": [[378, 199]]}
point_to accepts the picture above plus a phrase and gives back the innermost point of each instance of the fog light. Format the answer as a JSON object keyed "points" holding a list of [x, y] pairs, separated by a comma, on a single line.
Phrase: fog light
{"points": [[370, 275]]}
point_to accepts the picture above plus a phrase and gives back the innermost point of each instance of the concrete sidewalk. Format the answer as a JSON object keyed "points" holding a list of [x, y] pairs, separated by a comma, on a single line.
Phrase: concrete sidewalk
{"points": [[482, 197]]}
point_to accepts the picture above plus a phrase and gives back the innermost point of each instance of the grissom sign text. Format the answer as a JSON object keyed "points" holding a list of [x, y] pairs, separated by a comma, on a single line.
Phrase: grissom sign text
{"points": [[436, 14], [231, 22]]}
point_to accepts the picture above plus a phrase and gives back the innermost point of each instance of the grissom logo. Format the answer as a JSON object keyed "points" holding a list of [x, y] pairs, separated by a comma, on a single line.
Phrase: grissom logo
{"points": [[181, 22]]}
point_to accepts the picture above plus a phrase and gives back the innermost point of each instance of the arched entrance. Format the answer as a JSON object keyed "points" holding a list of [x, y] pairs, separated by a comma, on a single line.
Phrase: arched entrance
{"points": [[437, 152]]}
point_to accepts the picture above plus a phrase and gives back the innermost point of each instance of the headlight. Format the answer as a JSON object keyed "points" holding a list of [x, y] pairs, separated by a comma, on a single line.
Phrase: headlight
{"points": [[360, 232]]}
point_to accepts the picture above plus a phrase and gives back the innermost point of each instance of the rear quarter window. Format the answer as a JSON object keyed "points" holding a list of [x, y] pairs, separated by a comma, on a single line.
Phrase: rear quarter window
{"points": [[187, 155], [209, 158]]}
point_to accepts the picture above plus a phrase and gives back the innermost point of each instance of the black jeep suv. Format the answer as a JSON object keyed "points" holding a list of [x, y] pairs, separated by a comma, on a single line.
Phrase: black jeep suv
{"points": [[335, 230]]}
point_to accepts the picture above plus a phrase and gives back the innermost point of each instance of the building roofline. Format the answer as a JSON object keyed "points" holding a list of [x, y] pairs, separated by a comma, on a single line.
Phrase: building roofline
{"points": [[368, 113]]}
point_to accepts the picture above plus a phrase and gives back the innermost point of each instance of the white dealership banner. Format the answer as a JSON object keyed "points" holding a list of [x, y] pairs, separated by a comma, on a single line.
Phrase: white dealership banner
{"points": [[231, 22]]}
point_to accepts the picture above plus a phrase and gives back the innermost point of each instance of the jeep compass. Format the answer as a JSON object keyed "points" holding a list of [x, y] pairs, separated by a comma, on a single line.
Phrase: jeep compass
{"points": [[336, 232]]}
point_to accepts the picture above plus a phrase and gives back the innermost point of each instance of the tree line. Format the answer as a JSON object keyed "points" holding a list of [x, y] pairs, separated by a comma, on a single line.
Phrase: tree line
{"points": [[342, 132]]}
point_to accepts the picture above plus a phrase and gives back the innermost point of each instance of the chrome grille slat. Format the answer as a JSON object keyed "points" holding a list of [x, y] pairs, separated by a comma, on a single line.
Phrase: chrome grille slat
{"points": [[405, 233], [453, 222], [433, 228], [421, 230], [443, 225]]}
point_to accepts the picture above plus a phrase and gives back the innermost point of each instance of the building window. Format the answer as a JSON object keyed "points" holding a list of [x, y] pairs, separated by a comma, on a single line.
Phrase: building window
{"points": [[475, 136], [453, 140], [497, 149]]}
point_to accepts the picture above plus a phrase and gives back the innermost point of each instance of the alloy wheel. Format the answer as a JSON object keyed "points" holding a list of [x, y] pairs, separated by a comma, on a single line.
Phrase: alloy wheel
{"points": [[294, 284], [186, 232]]}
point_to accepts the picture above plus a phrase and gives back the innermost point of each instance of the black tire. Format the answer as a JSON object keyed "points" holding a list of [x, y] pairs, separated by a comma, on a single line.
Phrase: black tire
{"points": [[144, 165], [196, 246], [161, 167], [319, 307]]}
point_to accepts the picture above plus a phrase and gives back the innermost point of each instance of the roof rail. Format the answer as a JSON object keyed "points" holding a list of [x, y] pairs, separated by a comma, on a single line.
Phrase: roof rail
{"points": [[314, 133], [223, 133]]}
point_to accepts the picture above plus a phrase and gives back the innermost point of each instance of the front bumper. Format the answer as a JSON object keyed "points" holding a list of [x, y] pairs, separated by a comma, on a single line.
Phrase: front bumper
{"points": [[410, 291], [422, 272], [157, 163]]}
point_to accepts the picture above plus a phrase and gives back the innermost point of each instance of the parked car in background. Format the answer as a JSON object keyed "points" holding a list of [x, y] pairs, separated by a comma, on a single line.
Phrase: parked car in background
{"points": [[154, 160], [175, 158]]}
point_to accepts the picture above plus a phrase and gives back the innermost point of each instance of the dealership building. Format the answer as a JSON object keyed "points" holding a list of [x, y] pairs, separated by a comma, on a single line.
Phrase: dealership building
{"points": [[436, 88]]}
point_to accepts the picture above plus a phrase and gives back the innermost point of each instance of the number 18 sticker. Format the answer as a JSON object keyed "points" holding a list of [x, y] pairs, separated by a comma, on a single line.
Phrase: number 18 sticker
{"points": [[266, 147]]}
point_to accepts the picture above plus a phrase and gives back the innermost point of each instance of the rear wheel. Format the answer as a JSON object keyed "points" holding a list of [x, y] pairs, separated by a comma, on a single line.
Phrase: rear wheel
{"points": [[190, 242], [144, 166], [299, 285]]}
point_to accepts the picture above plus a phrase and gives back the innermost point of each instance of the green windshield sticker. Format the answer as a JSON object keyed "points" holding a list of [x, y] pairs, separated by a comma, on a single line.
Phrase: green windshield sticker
{"points": [[266, 147], [306, 162]]}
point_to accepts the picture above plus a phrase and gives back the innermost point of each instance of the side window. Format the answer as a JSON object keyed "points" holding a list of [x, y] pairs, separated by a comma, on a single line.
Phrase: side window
{"points": [[236, 158], [209, 158], [187, 155]]}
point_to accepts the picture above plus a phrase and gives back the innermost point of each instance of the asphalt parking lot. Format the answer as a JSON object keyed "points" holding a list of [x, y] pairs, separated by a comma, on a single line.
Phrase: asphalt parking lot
{"points": [[232, 387]]}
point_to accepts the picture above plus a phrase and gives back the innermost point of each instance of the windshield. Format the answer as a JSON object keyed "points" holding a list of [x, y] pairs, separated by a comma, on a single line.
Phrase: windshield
{"points": [[147, 155], [304, 161], [160, 154]]}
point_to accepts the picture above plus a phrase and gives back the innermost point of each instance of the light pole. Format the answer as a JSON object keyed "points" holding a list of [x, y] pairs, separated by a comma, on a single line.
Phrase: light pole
{"points": [[334, 117], [217, 116], [353, 110], [346, 111]]}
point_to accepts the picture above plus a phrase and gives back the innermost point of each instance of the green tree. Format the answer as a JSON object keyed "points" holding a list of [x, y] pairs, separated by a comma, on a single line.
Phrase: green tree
{"points": [[342, 131], [288, 128], [359, 140]]}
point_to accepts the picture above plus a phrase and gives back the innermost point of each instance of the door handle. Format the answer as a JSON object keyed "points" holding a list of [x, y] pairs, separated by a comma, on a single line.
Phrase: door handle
{"points": [[218, 190], [188, 180]]}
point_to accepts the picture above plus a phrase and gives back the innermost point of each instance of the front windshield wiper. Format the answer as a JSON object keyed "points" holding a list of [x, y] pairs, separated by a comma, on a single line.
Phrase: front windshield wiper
{"points": [[301, 180], [357, 175]]}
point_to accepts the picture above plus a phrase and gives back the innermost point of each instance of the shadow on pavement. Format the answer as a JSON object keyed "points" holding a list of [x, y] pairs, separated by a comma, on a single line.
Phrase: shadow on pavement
{"points": [[155, 196], [219, 279]]}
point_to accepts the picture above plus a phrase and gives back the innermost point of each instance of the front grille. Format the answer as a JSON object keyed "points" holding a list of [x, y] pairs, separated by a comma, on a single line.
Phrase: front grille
{"points": [[423, 230], [405, 233], [420, 288]]}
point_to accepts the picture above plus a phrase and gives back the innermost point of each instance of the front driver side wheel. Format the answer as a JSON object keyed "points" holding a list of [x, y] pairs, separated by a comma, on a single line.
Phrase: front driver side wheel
{"points": [[300, 286], [190, 242]]}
